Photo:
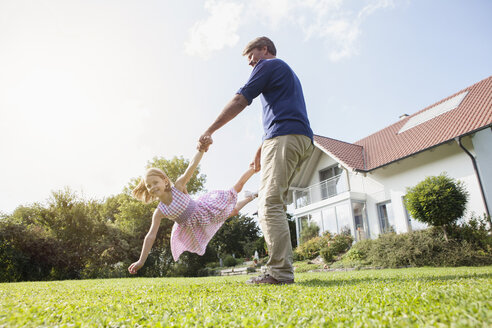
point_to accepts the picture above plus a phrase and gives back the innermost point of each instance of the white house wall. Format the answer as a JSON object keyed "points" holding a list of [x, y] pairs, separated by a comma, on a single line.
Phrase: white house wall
{"points": [[389, 183], [482, 143], [325, 161]]}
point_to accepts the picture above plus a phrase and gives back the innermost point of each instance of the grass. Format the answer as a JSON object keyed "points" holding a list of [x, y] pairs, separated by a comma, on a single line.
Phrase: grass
{"points": [[432, 297]]}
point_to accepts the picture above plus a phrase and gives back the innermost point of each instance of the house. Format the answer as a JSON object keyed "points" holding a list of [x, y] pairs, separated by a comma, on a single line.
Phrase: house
{"points": [[359, 187]]}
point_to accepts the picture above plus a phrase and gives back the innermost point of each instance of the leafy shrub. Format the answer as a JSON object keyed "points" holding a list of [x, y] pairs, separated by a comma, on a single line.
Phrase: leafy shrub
{"points": [[438, 201], [240, 260], [92, 271], [205, 272], [336, 246], [213, 265], [356, 257], [229, 261], [311, 248], [309, 232], [475, 230], [425, 248], [328, 246]]}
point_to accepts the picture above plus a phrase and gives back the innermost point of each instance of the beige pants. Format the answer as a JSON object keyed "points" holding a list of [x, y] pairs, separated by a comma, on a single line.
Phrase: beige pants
{"points": [[281, 158]]}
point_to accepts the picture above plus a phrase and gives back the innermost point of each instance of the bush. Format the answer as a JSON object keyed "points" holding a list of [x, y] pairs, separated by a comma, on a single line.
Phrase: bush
{"points": [[93, 271], [311, 248], [229, 261], [328, 246], [309, 232], [336, 246], [356, 257], [476, 231], [213, 265], [425, 248], [438, 201], [205, 272]]}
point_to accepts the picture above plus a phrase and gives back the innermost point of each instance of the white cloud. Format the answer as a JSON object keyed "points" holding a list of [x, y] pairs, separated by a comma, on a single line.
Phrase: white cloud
{"points": [[336, 22], [216, 31]]}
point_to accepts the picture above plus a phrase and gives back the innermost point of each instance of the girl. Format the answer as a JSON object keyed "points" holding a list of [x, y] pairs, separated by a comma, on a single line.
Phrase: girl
{"points": [[195, 221]]}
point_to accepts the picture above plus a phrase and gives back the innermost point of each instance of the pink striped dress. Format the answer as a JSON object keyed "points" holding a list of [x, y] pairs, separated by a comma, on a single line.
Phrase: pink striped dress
{"points": [[197, 221]]}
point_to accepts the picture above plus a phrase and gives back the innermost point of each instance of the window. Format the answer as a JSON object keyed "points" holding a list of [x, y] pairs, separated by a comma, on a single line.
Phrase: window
{"points": [[433, 112], [328, 183], [316, 219], [302, 198], [414, 225], [360, 220], [344, 218], [330, 220], [386, 219]]}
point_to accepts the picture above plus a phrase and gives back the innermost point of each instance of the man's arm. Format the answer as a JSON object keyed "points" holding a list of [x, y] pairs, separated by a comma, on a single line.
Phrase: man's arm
{"points": [[231, 110]]}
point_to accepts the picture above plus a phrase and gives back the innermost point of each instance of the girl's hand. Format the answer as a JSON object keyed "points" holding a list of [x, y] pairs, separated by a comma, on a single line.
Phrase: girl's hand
{"points": [[202, 147], [204, 142], [134, 267]]}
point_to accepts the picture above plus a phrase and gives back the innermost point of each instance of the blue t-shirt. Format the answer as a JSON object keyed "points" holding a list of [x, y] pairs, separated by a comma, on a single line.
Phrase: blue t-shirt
{"points": [[284, 109]]}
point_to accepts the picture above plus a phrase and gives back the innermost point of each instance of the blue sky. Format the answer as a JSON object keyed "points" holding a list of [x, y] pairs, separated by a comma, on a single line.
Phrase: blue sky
{"points": [[92, 90]]}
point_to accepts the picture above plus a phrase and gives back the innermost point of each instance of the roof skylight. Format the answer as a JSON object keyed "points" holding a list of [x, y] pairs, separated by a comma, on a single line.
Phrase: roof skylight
{"points": [[433, 112]]}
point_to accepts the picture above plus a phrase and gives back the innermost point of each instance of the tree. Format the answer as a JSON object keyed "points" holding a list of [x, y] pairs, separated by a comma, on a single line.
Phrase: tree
{"points": [[52, 241], [236, 236], [438, 200], [173, 169]]}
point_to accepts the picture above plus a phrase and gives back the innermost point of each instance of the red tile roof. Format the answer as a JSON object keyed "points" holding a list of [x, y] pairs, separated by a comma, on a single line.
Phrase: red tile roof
{"points": [[349, 155], [387, 145]]}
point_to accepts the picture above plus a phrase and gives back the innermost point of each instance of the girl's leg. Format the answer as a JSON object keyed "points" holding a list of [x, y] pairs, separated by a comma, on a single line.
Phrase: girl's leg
{"points": [[243, 179], [239, 186], [240, 204]]}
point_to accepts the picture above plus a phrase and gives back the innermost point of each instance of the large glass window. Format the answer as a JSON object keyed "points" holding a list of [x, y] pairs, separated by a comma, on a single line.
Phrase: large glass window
{"points": [[302, 198], [414, 224], [386, 218], [316, 219], [360, 220], [344, 219], [304, 221], [330, 220], [328, 183]]}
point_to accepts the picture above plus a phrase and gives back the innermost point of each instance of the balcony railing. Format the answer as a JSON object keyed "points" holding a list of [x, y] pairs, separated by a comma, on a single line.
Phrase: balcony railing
{"points": [[320, 191]]}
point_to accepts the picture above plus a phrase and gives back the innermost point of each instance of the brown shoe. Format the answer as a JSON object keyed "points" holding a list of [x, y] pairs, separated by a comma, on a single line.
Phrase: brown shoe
{"points": [[269, 280]]}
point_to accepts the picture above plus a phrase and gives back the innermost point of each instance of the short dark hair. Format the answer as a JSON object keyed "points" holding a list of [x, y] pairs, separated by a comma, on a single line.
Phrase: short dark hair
{"points": [[259, 43]]}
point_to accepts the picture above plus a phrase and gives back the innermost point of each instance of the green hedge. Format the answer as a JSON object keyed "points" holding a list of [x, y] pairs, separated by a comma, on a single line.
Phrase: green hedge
{"points": [[469, 245]]}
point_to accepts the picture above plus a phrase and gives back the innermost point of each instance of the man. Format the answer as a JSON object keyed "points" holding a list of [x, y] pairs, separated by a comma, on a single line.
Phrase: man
{"points": [[287, 143]]}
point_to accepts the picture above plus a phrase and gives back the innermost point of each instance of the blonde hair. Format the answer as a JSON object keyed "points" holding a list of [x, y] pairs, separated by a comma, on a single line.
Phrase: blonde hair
{"points": [[141, 193]]}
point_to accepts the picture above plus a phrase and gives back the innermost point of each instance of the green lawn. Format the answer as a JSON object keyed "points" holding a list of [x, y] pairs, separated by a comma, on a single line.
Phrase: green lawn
{"points": [[437, 297]]}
